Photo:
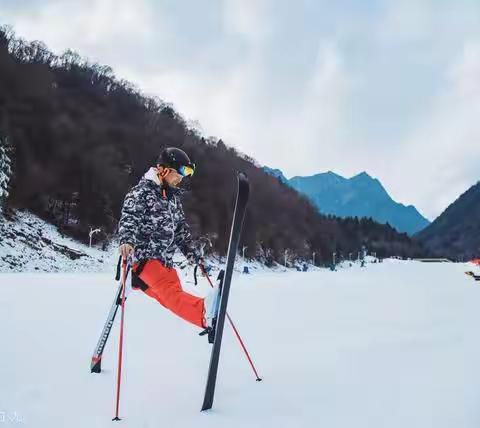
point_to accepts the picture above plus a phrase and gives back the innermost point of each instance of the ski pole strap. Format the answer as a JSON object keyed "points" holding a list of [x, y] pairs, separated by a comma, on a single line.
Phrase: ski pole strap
{"points": [[119, 297], [195, 274], [117, 276], [137, 282], [138, 267]]}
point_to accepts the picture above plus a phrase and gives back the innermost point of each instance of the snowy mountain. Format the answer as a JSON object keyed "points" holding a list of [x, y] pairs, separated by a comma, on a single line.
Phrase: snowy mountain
{"points": [[390, 345], [456, 232], [360, 196], [29, 244]]}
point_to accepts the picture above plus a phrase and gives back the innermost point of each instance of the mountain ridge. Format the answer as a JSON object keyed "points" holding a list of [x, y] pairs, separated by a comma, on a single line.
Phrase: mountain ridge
{"points": [[358, 196], [456, 232]]}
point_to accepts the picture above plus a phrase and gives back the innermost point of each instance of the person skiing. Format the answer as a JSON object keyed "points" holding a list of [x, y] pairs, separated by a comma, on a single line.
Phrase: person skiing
{"points": [[152, 226]]}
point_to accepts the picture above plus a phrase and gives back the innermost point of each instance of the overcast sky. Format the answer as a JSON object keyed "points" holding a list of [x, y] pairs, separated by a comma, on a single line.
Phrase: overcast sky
{"points": [[387, 87]]}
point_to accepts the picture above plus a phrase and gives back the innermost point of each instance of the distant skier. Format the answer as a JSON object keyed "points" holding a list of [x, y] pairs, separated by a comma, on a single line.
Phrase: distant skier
{"points": [[152, 226]]}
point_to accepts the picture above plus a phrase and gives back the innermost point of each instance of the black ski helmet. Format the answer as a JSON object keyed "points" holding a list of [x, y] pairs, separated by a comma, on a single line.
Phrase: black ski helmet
{"points": [[175, 158]]}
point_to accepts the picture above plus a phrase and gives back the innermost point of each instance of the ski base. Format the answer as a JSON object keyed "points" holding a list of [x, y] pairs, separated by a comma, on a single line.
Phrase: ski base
{"points": [[238, 217]]}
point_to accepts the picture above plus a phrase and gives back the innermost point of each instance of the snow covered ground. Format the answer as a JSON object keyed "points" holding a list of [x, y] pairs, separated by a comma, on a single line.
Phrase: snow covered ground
{"points": [[30, 244], [391, 345]]}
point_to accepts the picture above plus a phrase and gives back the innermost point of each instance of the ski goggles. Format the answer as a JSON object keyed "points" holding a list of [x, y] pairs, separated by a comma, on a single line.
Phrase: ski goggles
{"points": [[186, 170]]}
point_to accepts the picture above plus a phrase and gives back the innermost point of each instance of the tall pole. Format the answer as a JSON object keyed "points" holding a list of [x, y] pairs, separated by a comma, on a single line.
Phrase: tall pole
{"points": [[90, 234], [120, 345], [313, 258], [235, 331], [285, 255], [243, 251], [204, 243]]}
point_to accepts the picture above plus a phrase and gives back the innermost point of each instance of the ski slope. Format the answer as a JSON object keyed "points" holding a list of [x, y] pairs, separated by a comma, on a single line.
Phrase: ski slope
{"points": [[390, 345]]}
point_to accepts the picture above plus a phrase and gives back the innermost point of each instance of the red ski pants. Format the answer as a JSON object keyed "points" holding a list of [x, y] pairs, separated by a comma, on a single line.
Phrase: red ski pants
{"points": [[164, 286]]}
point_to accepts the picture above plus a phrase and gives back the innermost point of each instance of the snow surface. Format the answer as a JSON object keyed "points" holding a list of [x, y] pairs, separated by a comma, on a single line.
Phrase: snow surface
{"points": [[394, 344]]}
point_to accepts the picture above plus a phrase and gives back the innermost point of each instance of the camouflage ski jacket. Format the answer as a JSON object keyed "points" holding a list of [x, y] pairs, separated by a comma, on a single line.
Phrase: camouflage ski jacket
{"points": [[153, 222]]}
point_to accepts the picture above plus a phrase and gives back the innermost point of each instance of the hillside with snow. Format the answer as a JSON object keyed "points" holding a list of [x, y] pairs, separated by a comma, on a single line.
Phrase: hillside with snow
{"points": [[29, 244], [392, 345]]}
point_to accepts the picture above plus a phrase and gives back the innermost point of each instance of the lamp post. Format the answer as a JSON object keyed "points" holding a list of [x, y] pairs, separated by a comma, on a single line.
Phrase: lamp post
{"points": [[313, 258], [204, 243], [334, 254], [245, 267], [90, 234], [285, 255]]}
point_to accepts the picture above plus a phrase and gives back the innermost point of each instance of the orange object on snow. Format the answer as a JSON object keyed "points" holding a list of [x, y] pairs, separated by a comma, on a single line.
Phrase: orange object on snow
{"points": [[475, 261]]}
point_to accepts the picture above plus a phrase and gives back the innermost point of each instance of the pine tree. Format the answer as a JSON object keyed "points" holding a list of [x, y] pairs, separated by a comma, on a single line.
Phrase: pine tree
{"points": [[5, 171]]}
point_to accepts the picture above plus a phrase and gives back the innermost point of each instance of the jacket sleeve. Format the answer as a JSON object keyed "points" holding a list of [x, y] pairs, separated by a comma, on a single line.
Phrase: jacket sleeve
{"points": [[131, 217], [183, 240]]}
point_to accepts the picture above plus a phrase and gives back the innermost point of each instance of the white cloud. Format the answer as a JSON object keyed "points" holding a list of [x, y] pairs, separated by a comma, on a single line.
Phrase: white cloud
{"points": [[441, 159], [96, 28], [406, 21], [314, 126], [465, 73], [248, 18]]}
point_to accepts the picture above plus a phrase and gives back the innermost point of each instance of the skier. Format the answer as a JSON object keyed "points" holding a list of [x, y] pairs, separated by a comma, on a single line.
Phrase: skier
{"points": [[152, 226]]}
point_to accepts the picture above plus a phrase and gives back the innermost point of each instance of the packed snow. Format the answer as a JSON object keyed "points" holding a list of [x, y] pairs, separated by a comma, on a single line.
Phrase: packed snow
{"points": [[394, 344]]}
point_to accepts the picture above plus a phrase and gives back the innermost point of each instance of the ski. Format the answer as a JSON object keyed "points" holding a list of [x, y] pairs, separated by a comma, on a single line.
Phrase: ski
{"points": [[96, 362], [237, 223]]}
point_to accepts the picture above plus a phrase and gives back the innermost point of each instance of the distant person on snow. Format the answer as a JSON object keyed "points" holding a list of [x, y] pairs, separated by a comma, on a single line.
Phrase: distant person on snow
{"points": [[152, 226]]}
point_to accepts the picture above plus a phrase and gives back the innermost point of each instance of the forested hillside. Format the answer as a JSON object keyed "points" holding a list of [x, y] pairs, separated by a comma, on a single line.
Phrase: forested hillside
{"points": [[456, 232]]}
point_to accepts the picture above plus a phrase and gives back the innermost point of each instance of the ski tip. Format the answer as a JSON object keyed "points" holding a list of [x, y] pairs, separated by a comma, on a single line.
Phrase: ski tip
{"points": [[207, 403]]}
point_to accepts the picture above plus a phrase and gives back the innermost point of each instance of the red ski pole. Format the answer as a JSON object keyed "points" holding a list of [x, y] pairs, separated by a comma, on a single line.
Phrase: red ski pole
{"points": [[258, 378], [120, 345]]}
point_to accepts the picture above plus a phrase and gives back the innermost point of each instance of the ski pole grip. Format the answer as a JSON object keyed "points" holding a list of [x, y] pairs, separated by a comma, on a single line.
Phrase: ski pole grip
{"points": [[195, 274], [117, 276]]}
